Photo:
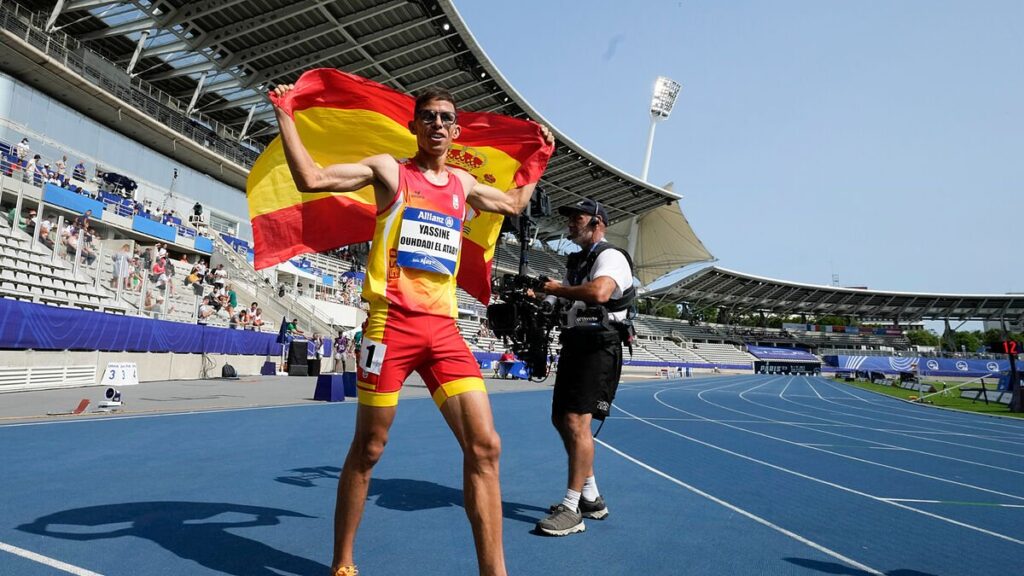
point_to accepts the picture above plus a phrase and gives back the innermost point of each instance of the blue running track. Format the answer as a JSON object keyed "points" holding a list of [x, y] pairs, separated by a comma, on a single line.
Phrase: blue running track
{"points": [[742, 475]]}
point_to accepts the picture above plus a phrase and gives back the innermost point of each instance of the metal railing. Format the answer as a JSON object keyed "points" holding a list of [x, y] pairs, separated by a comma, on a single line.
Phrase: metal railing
{"points": [[159, 105]]}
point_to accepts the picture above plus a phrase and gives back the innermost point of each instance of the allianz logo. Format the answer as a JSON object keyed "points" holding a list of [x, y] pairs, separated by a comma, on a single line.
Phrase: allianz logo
{"points": [[427, 216]]}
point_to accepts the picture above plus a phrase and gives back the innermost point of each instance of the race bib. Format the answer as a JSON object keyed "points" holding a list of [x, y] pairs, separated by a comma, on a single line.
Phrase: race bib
{"points": [[429, 241], [371, 355]]}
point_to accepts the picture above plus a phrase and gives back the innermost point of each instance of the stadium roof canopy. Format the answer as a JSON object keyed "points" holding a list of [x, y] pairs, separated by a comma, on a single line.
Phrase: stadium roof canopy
{"points": [[216, 58], [744, 293]]}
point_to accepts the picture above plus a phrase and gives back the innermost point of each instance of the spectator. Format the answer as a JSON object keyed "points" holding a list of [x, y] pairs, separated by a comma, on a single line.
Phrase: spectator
{"points": [[154, 304], [44, 234], [62, 166], [122, 267], [79, 172], [69, 238], [31, 168], [243, 319], [86, 243], [505, 364], [232, 296], [49, 175], [83, 220], [257, 320], [224, 309], [29, 224], [24, 150], [292, 328], [157, 273], [340, 346], [205, 311], [318, 347]]}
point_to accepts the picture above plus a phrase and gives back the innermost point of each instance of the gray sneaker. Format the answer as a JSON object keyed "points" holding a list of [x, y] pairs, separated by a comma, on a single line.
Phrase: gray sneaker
{"points": [[562, 522], [593, 509]]}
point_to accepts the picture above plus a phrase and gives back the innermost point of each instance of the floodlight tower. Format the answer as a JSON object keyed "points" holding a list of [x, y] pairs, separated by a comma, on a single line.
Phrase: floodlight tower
{"points": [[666, 91], [663, 99]]}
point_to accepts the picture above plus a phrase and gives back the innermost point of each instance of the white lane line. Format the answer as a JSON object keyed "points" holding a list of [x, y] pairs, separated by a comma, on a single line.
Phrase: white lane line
{"points": [[743, 397], [900, 408], [986, 504], [764, 522], [657, 398], [46, 560], [839, 487], [782, 394]]}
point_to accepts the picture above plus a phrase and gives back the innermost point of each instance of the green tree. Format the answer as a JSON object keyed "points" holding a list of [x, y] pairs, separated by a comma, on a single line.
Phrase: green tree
{"points": [[922, 338], [668, 311], [709, 314], [968, 341], [833, 321]]}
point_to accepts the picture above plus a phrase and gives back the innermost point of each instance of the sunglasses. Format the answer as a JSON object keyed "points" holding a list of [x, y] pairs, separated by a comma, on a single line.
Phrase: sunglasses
{"points": [[429, 116]]}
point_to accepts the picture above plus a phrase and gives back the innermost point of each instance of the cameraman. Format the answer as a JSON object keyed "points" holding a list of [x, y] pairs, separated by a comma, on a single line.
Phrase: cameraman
{"points": [[599, 286]]}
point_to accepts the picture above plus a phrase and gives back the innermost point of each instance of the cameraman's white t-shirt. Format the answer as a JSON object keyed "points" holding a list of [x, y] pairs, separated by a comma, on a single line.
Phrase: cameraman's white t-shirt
{"points": [[613, 264]]}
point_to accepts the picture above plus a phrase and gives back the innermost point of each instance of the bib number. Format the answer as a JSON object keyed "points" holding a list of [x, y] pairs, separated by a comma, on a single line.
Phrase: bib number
{"points": [[371, 355], [429, 241]]}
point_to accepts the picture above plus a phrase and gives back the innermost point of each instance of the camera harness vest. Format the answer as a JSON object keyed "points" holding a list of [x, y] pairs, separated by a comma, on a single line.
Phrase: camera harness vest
{"points": [[579, 266]]}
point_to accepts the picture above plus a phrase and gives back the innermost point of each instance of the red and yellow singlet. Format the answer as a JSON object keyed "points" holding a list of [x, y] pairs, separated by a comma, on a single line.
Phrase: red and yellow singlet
{"points": [[410, 285]]}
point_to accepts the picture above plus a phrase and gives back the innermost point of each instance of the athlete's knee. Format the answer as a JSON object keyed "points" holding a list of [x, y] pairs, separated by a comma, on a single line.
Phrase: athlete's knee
{"points": [[484, 448], [367, 449]]}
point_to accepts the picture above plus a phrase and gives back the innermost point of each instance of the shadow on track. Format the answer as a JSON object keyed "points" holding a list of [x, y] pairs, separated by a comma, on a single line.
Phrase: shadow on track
{"points": [[408, 495], [186, 529], [844, 570]]}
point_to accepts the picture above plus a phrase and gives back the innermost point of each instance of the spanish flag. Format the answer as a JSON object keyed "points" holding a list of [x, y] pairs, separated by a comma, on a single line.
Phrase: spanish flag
{"points": [[345, 118]]}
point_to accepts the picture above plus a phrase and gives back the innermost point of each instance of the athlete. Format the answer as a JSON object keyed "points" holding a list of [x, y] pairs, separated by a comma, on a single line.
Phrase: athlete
{"points": [[421, 204]]}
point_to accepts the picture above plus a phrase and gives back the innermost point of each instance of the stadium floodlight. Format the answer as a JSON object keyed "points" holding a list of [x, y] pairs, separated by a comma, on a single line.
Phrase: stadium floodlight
{"points": [[666, 91], [663, 100]]}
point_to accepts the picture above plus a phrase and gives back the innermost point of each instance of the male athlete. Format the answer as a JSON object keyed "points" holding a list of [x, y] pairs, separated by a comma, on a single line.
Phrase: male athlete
{"points": [[410, 325]]}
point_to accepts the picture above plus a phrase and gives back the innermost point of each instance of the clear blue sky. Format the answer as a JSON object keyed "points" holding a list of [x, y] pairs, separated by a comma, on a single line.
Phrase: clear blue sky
{"points": [[883, 141]]}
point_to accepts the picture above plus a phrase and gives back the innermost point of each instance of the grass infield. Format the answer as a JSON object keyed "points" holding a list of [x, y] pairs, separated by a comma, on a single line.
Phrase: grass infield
{"points": [[952, 400]]}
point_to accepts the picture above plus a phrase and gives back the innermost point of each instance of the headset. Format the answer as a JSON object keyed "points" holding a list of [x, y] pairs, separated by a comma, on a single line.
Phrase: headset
{"points": [[594, 218]]}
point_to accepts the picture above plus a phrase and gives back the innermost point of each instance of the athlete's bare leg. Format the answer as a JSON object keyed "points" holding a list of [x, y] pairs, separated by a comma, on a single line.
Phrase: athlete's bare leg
{"points": [[371, 435], [469, 416]]}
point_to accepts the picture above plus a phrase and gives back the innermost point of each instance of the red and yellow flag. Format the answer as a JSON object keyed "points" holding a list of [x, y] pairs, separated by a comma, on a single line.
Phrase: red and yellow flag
{"points": [[345, 118]]}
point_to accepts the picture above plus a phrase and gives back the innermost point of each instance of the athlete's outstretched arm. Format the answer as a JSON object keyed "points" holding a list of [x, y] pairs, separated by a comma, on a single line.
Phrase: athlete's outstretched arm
{"points": [[334, 178], [489, 199]]}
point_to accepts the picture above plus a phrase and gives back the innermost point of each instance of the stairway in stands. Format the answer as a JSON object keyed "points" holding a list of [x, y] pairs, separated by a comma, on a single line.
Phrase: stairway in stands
{"points": [[32, 274]]}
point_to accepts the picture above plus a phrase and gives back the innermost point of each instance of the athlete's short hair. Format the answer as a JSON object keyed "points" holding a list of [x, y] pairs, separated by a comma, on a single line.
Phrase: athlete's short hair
{"points": [[433, 93]]}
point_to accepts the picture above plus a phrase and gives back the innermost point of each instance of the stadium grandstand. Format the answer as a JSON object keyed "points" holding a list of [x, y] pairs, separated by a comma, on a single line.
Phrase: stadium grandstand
{"points": [[127, 130], [126, 135]]}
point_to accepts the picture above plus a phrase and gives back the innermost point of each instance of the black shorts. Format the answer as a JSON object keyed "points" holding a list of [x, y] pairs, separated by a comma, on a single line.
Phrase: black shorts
{"points": [[589, 366]]}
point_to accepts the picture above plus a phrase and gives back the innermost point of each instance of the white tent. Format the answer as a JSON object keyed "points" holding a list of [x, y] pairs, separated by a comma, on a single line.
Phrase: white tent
{"points": [[289, 268], [664, 242]]}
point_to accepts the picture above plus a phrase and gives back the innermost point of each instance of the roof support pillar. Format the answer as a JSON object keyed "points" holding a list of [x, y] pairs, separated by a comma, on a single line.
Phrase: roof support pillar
{"points": [[634, 233], [248, 121], [138, 50], [195, 95], [52, 20]]}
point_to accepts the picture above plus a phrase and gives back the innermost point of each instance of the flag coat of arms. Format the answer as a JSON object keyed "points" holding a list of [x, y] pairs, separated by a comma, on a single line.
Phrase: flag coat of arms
{"points": [[343, 118]]}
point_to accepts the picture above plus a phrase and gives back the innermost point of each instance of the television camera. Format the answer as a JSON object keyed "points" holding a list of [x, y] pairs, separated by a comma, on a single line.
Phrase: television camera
{"points": [[523, 322]]}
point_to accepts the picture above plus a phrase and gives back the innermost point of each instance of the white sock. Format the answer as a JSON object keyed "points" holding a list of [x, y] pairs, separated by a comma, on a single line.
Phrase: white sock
{"points": [[590, 489], [571, 500]]}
